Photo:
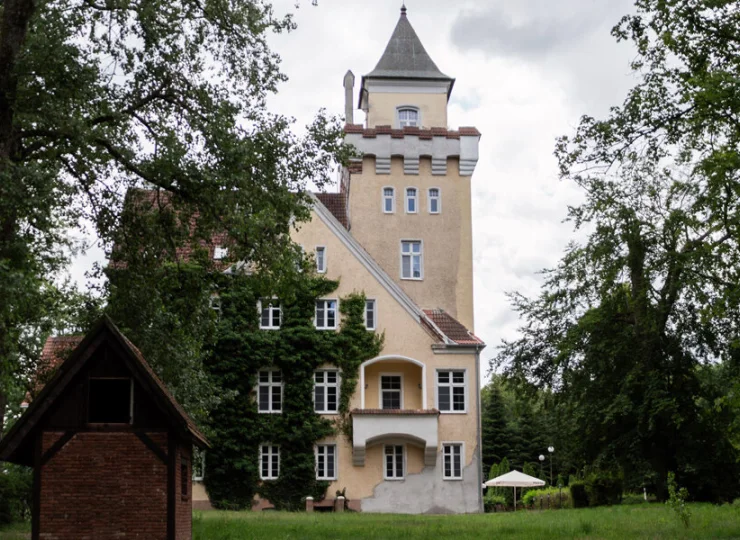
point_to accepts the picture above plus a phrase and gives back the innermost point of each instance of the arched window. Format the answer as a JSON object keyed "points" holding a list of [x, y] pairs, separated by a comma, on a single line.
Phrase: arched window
{"points": [[411, 201], [435, 202], [408, 116], [388, 200]]}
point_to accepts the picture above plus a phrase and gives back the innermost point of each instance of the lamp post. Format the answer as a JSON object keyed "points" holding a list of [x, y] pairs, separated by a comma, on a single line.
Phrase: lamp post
{"points": [[542, 459], [551, 449]]}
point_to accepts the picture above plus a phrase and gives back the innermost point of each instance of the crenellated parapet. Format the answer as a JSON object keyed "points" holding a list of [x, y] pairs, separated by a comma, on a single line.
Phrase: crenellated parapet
{"points": [[413, 143]]}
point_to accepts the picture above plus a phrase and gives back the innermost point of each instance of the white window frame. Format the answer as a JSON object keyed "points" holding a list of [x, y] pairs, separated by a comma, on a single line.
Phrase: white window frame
{"points": [[439, 200], [383, 198], [279, 308], [395, 464], [407, 198], [326, 385], [452, 385], [220, 253], [335, 474], [316, 314], [375, 314], [412, 255], [199, 455], [413, 108], [380, 388], [273, 450], [270, 384], [321, 268], [450, 444], [214, 302]]}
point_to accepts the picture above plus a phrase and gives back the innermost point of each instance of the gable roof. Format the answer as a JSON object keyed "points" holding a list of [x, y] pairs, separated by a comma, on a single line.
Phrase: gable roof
{"points": [[452, 328], [405, 56], [104, 328], [420, 316]]}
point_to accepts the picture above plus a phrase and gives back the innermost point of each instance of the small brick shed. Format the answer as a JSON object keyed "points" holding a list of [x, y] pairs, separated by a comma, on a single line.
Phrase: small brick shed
{"points": [[110, 447]]}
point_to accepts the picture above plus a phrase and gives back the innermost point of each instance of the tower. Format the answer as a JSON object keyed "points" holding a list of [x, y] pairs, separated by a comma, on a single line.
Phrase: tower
{"points": [[409, 188]]}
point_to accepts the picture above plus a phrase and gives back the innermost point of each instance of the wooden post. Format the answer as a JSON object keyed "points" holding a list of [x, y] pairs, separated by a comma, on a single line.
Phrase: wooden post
{"points": [[309, 504]]}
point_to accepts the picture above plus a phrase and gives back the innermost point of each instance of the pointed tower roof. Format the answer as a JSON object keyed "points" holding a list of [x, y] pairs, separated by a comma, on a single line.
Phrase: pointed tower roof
{"points": [[405, 56]]}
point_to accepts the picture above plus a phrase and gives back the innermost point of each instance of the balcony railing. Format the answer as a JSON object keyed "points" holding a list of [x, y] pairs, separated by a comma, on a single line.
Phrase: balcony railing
{"points": [[375, 426]]}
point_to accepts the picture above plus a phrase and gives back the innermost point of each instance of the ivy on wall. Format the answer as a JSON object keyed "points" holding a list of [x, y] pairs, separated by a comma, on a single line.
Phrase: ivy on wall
{"points": [[240, 350]]}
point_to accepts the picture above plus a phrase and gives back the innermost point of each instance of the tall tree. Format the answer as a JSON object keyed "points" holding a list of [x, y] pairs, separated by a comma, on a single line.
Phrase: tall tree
{"points": [[628, 315], [495, 426], [100, 96]]}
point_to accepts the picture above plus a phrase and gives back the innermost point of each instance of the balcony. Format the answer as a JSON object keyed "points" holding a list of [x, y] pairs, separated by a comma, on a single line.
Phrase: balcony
{"points": [[394, 426]]}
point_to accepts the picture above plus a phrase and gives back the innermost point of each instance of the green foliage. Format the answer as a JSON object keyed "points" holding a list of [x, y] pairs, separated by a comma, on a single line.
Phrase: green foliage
{"points": [[491, 501], [494, 493], [297, 349], [578, 494], [626, 322], [15, 494], [102, 97], [677, 500], [551, 497], [604, 488]]}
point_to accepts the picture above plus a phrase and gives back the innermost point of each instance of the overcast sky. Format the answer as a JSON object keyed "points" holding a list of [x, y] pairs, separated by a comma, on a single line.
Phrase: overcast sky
{"points": [[526, 71]]}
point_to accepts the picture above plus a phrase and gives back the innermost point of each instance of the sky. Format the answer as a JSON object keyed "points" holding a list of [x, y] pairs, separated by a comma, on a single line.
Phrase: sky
{"points": [[525, 70]]}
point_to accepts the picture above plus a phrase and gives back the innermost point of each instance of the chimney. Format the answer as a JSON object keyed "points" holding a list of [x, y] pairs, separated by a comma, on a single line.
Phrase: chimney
{"points": [[349, 88]]}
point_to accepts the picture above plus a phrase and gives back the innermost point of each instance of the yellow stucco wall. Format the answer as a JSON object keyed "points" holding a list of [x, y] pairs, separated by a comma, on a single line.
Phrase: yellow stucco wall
{"points": [[382, 108], [447, 236], [404, 337]]}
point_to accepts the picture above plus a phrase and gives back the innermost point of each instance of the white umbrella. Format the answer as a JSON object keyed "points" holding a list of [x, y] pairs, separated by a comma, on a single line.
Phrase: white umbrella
{"points": [[515, 479]]}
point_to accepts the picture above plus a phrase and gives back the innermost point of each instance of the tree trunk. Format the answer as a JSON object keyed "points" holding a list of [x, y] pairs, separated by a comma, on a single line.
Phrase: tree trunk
{"points": [[16, 16]]}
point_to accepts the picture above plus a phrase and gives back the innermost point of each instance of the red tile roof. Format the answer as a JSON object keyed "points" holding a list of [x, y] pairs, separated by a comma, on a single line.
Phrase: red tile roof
{"points": [[336, 203], [56, 350], [146, 200], [422, 133], [452, 328]]}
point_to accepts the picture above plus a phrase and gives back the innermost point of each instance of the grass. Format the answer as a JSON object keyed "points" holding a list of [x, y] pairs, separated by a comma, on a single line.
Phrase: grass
{"points": [[651, 521], [618, 522]]}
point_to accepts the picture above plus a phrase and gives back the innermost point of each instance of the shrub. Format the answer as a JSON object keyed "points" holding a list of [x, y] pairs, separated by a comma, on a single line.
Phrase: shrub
{"points": [[15, 494], [578, 494], [677, 500], [604, 489], [490, 501], [532, 498]]}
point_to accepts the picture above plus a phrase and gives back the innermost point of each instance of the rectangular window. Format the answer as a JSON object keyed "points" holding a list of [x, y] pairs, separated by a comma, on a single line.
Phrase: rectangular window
{"points": [[326, 462], [391, 393], [394, 465], [389, 200], [269, 461], [321, 259], [326, 314], [270, 391], [220, 253], [111, 401], [451, 391], [452, 453], [270, 314], [411, 202], [326, 391], [434, 201], [199, 464], [411, 260], [370, 314]]}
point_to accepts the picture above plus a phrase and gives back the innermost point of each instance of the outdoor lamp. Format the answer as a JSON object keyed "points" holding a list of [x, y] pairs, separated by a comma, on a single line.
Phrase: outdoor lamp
{"points": [[542, 459], [551, 449]]}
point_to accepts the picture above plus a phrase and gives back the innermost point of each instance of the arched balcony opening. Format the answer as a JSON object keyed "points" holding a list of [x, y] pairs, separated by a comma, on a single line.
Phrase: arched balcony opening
{"points": [[393, 383]]}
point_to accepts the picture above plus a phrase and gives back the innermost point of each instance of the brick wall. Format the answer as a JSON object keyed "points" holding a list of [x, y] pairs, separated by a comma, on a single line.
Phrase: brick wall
{"points": [[104, 485], [183, 505]]}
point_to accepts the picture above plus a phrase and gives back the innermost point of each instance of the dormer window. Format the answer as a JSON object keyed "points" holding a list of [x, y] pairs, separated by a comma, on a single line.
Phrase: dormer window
{"points": [[408, 116]]}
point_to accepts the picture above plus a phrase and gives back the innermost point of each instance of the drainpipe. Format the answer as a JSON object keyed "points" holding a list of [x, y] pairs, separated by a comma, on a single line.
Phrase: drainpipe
{"points": [[480, 429]]}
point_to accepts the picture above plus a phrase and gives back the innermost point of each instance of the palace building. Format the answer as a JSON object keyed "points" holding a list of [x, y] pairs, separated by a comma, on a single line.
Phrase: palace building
{"points": [[399, 230]]}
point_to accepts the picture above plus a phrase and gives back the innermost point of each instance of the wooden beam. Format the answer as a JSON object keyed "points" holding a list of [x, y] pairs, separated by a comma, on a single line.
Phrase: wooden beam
{"points": [[151, 445], [36, 504], [171, 486], [61, 442]]}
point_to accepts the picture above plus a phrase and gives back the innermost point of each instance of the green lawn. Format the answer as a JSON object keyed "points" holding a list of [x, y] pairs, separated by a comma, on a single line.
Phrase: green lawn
{"points": [[619, 522]]}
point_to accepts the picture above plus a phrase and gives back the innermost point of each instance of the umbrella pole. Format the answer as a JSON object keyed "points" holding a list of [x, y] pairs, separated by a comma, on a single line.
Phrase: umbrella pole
{"points": [[514, 498]]}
